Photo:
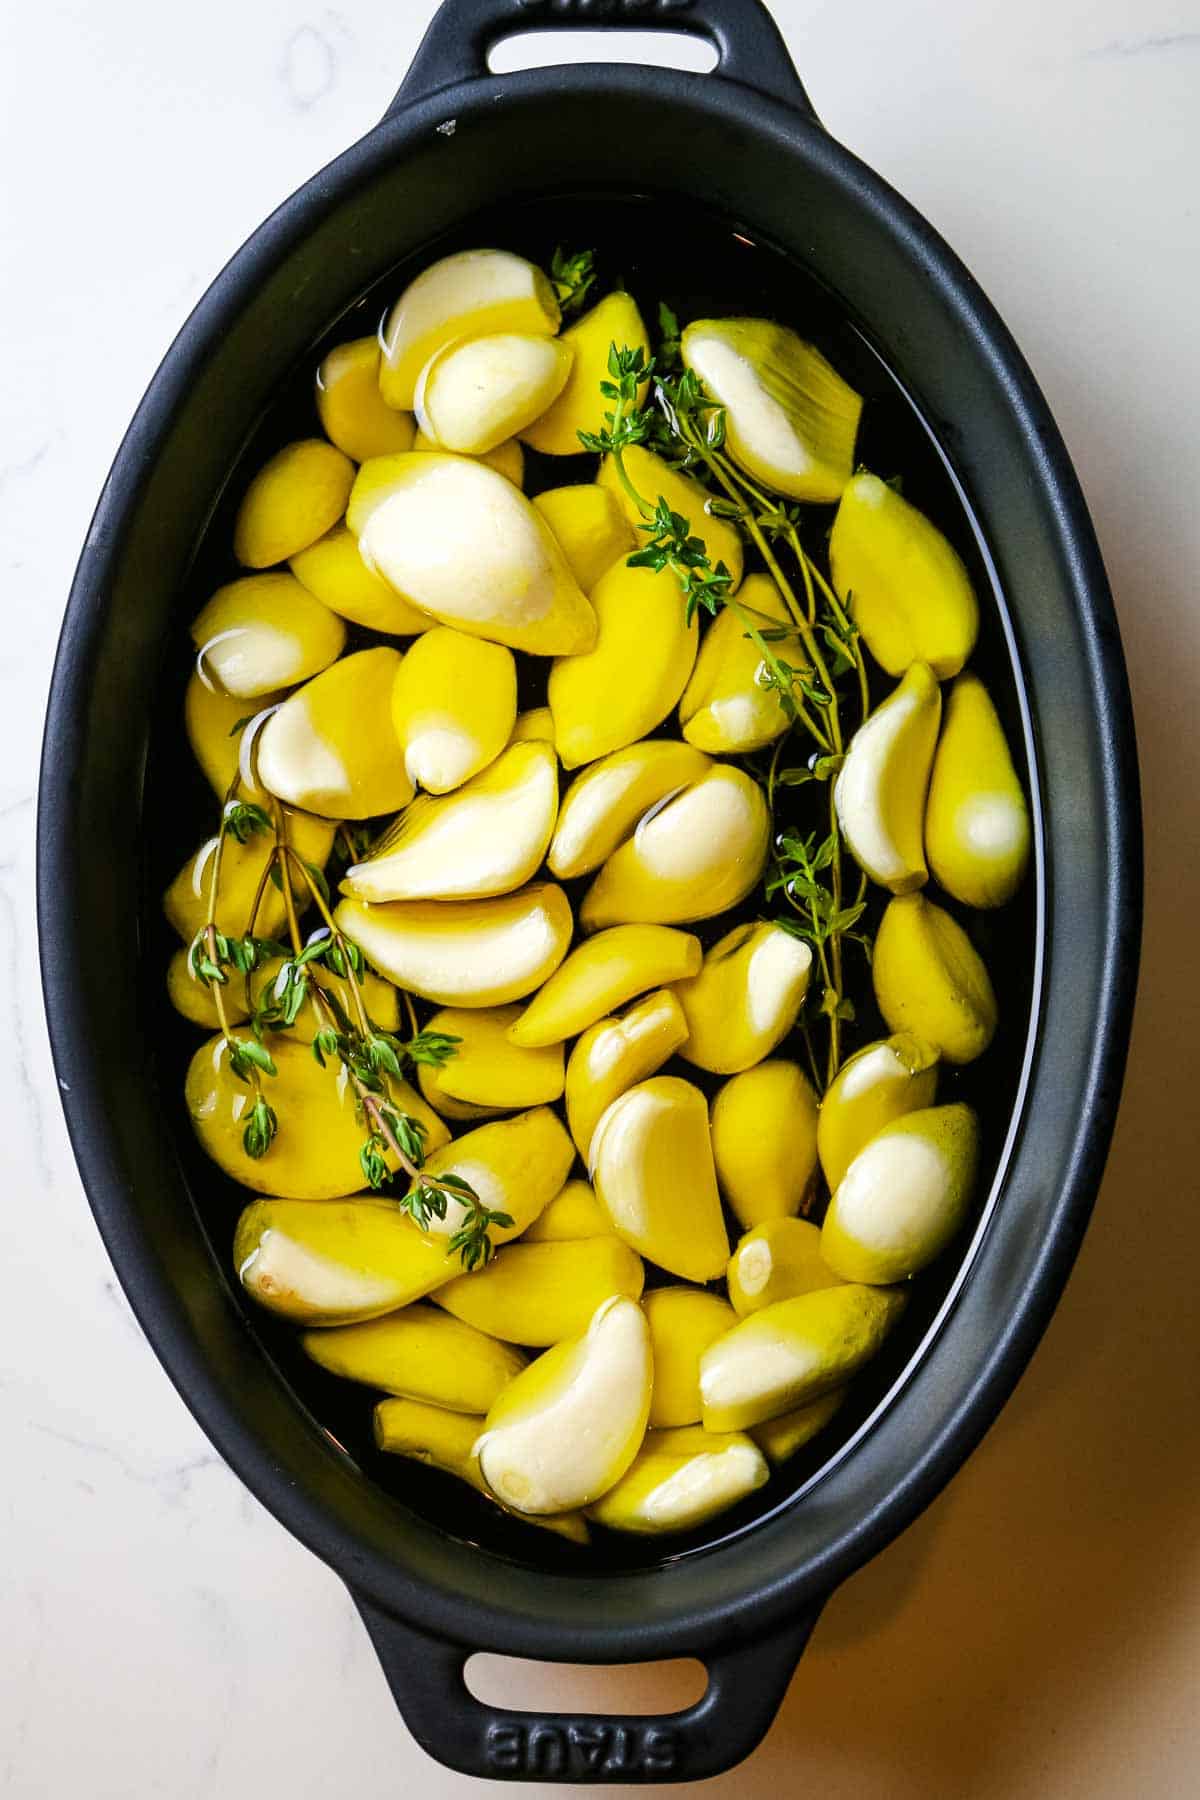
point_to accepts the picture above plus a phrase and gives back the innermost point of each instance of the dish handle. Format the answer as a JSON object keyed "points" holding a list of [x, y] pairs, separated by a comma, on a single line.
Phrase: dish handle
{"points": [[746, 1683], [750, 47]]}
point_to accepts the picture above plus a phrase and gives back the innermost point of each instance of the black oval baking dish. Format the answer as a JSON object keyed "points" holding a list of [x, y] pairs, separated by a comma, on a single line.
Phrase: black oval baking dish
{"points": [[461, 155]]}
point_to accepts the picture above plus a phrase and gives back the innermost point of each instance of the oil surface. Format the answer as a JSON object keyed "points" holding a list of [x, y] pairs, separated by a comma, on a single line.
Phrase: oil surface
{"points": [[726, 272]]}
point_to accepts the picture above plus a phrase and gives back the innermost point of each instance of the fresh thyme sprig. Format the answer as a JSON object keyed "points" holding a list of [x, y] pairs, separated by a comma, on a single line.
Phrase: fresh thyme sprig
{"points": [[573, 278]]}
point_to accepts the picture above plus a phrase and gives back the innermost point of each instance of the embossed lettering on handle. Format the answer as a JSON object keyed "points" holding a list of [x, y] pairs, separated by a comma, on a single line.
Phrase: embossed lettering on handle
{"points": [[577, 1749]]}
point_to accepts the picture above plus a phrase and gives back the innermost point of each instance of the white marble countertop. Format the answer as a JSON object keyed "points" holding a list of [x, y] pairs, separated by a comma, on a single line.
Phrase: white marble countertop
{"points": [[1037, 1631]]}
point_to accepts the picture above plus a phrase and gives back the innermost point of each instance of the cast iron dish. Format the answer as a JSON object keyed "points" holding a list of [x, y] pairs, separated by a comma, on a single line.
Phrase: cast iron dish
{"points": [[744, 145]]}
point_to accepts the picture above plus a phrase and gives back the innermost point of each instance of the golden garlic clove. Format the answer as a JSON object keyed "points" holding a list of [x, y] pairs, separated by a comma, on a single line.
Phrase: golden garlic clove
{"points": [[575, 1213], [315, 1155], [352, 411], [331, 747], [652, 1168], [793, 1352], [194, 999], [264, 632], [538, 1294], [874, 1087], [487, 837], [333, 570], [764, 1137], [581, 406], [977, 833], [515, 1166], [880, 792], [475, 394], [901, 581], [904, 1197], [421, 1354], [468, 295], [725, 708], [654, 480], [616, 1054], [454, 704], [778, 1260], [746, 998], [534, 726], [508, 459], [487, 1069], [683, 1322], [681, 1479], [460, 541], [335, 1262], [790, 419], [568, 1427], [697, 855], [781, 1437], [605, 803], [291, 502], [465, 952], [619, 688], [601, 975], [931, 981], [210, 718], [592, 530], [242, 870]]}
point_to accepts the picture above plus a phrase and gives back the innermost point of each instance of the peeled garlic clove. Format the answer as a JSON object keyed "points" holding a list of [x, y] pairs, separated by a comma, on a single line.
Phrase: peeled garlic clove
{"points": [[475, 394], [242, 868], [931, 981], [331, 747], [210, 716], [352, 411], [616, 1054], [874, 1087], [334, 1262], [534, 726], [977, 833], [540, 1293], [315, 1155], [195, 1001], [468, 295], [603, 805], [617, 690], [601, 975], [457, 1111], [465, 952], [725, 707], [486, 1068], [790, 419], [656, 480], [903, 584], [454, 704], [487, 837], [445, 1440], [880, 792], [781, 1437], [592, 531], [698, 854], [793, 1352], [420, 1354], [508, 459], [746, 997], [581, 406], [265, 632], [292, 501], [777, 1261], [652, 1168], [515, 1166], [569, 1426], [683, 1322], [904, 1197], [681, 1479], [461, 542], [764, 1137], [575, 1213], [333, 570]]}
